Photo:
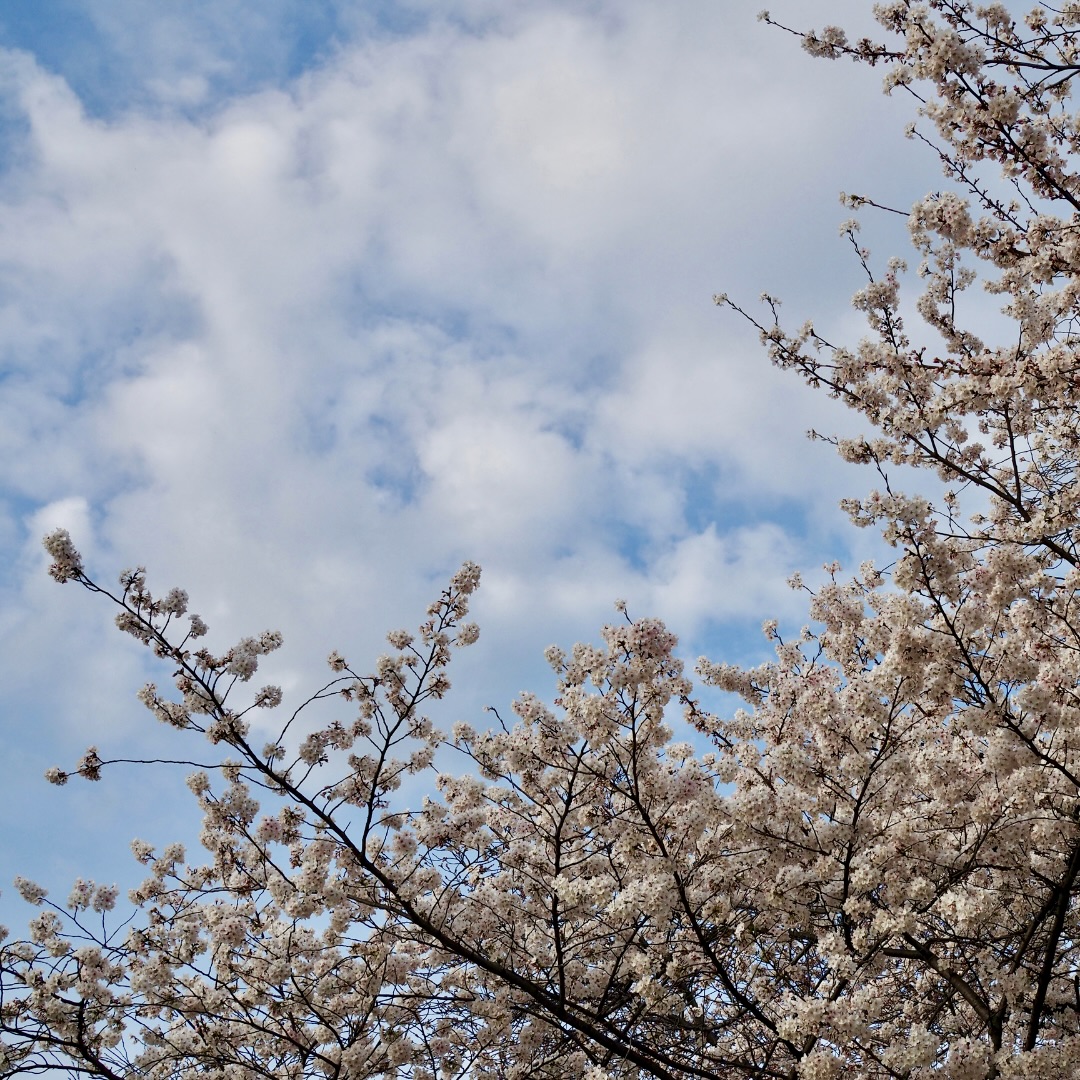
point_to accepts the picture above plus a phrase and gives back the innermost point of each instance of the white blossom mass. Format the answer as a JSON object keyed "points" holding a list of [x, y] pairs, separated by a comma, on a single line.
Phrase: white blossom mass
{"points": [[318, 314]]}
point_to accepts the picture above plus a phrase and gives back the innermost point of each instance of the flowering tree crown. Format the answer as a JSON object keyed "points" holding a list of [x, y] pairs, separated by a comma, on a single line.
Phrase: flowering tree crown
{"points": [[872, 870]]}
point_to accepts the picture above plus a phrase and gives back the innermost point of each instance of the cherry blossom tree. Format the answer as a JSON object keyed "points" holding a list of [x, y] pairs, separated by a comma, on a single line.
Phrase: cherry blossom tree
{"points": [[872, 870]]}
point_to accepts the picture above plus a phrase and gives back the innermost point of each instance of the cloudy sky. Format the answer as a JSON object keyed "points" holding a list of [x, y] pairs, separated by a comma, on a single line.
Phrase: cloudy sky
{"points": [[304, 302]]}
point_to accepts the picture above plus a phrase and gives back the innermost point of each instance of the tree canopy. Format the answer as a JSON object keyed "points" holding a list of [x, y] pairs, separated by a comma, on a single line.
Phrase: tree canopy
{"points": [[872, 870]]}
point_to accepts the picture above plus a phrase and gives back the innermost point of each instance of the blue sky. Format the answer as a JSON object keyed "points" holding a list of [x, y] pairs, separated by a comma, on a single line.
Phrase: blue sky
{"points": [[303, 303]]}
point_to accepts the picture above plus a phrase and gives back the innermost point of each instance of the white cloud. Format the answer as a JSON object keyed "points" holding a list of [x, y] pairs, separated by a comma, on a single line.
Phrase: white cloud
{"points": [[306, 260], [72, 514], [445, 296]]}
